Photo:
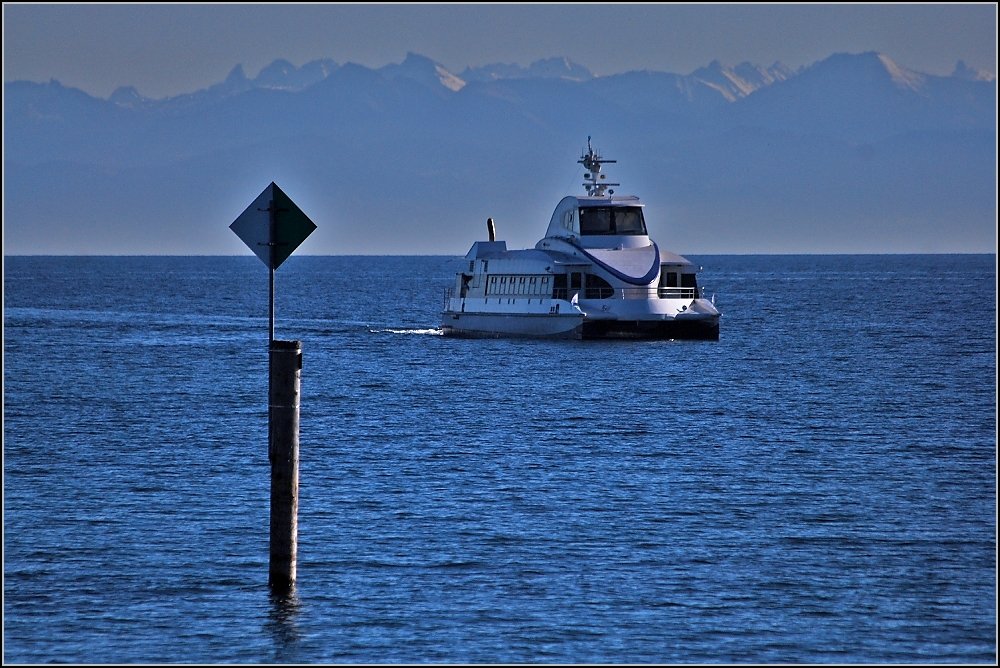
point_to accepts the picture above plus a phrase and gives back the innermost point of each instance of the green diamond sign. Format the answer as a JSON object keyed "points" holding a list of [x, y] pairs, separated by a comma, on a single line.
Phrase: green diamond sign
{"points": [[290, 228]]}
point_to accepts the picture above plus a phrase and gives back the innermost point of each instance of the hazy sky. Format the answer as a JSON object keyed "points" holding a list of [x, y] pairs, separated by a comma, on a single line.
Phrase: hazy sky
{"points": [[166, 49]]}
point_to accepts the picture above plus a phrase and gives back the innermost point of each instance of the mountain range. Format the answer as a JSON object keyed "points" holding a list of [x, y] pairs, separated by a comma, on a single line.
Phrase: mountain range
{"points": [[854, 153]]}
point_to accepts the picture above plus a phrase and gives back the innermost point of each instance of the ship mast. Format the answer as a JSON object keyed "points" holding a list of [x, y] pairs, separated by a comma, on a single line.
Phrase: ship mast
{"points": [[592, 161]]}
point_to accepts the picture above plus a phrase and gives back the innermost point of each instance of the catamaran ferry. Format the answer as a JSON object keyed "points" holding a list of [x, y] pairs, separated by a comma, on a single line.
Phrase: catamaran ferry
{"points": [[595, 275]]}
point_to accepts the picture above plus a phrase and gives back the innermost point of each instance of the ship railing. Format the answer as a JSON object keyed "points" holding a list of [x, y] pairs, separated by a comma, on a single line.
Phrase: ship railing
{"points": [[627, 293], [603, 293], [677, 293]]}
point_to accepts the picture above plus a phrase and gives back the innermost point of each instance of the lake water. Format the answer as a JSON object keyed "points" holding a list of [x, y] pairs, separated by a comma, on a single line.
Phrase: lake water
{"points": [[818, 486]]}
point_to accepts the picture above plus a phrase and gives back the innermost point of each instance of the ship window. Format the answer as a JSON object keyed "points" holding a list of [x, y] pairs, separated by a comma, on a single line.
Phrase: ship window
{"points": [[689, 281], [568, 221], [559, 286], [612, 220], [669, 279], [595, 221], [598, 288], [629, 221]]}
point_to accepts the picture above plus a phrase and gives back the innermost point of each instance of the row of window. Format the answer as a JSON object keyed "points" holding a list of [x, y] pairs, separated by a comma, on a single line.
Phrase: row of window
{"points": [[612, 220], [518, 285], [668, 279], [606, 220], [504, 284]]}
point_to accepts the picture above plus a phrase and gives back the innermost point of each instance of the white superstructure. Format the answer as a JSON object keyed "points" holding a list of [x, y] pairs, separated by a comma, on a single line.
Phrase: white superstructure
{"points": [[595, 274]]}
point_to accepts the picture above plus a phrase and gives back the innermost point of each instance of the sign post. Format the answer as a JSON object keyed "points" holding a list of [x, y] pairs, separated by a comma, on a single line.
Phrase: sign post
{"points": [[272, 227]]}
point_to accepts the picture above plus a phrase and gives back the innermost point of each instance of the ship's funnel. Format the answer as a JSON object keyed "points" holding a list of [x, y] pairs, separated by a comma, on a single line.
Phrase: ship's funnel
{"points": [[491, 228]]}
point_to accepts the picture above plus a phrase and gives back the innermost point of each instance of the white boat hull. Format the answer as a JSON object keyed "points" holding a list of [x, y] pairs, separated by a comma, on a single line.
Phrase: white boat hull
{"points": [[500, 325], [701, 322]]}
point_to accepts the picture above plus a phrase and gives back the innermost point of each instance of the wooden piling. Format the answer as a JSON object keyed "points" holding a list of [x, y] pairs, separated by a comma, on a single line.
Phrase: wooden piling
{"points": [[285, 372]]}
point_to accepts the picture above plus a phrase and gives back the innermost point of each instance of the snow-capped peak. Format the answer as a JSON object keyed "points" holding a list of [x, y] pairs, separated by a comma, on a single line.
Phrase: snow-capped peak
{"points": [[422, 68], [901, 76]]}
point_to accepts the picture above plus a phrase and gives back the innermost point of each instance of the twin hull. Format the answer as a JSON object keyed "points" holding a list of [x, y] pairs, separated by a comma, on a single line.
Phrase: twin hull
{"points": [[552, 318]]}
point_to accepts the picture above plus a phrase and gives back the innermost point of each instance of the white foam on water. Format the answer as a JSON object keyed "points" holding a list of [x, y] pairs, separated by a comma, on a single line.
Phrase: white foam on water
{"points": [[389, 330]]}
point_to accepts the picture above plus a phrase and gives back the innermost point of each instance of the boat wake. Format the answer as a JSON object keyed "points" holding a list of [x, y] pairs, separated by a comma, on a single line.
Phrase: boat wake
{"points": [[391, 330]]}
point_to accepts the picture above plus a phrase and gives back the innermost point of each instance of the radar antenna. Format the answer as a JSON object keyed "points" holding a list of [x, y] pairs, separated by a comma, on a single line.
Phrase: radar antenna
{"points": [[592, 161]]}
